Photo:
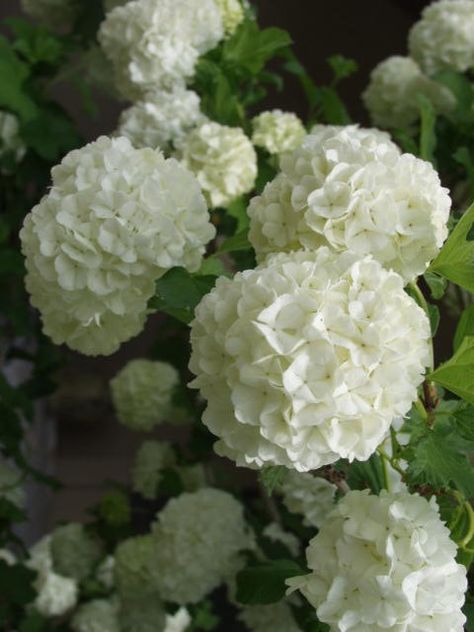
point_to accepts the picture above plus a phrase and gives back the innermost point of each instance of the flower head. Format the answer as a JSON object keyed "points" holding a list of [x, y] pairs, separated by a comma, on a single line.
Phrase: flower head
{"points": [[308, 495], [307, 359], [115, 220], [151, 459], [232, 14], [385, 563], [277, 131], [100, 615], [75, 553]]}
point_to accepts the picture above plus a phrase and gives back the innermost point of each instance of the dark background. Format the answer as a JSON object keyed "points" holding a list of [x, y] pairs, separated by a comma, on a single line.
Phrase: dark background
{"points": [[91, 447]]}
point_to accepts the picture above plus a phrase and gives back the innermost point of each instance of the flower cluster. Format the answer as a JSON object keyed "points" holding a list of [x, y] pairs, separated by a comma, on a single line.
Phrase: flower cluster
{"points": [[144, 614], [197, 538], [307, 359], [274, 618], [162, 119], [178, 622], [11, 144], [99, 615], [115, 219], [444, 37], [54, 13], [155, 45], [277, 131], [151, 459], [132, 569], [394, 89], [74, 552], [350, 189], [223, 160], [385, 563], [232, 14], [142, 393], [311, 496]]}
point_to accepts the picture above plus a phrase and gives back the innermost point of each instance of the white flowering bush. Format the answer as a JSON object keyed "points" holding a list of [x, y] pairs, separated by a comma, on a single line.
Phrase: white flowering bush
{"points": [[223, 160], [392, 96], [300, 359], [198, 538], [385, 562], [277, 131], [162, 119], [155, 45], [350, 192], [91, 270], [142, 393]]}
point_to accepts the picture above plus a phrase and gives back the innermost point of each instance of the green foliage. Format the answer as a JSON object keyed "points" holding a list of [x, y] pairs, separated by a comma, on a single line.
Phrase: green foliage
{"points": [[457, 374], [13, 74], [437, 284], [114, 508], [465, 327], [456, 259], [342, 67], [462, 90], [366, 474], [35, 44], [264, 583], [203, 618], [272, 477], [238, 242], [16, 584], [427, 129]]}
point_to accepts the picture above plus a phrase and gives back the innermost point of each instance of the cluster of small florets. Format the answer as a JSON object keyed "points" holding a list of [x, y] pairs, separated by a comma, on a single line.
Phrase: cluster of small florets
{"points": [[155, 45], [115, 220], [392, 96], [232, 14], [152, 458], [99, 615], [350, 189], [142, 393], [385, 563], [276, 617], [307, 359], [162, 119], [277, 131], [56, 14], [223, 160], [197, 539], [74, 551], [311, 496]]}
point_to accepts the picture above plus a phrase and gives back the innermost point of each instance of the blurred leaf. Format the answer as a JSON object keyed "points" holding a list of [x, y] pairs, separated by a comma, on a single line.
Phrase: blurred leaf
{"points": [[366, 474], [457, 374], [294, 67], [264, 583], [235, 243], [436, 283], [461, 88], [434, 316], [16, 584], [13, 74], [333, 109], [465, 327], [35, 43], [238, 210], [272, 477], [427, 129], [51, 134], [342, 67], [218, 100]]}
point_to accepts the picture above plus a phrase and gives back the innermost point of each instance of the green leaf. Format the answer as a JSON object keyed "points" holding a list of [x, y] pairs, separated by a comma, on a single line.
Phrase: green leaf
{"points": [[252, 48], [463, 421], [203, 618], [462, 90], [342, 67], [13, 74], [178, 293], [294, 67], [264, 583], [456, 259], [16, 584], [218, 100], [427, 129], [366, 474], [434, 316], [272, 477], [238, 210], [51, 134], [436, 283], [333, 109], [212, 266], [465, 327], [236, 243], [34, 622], [457, 374], [35, 43]]}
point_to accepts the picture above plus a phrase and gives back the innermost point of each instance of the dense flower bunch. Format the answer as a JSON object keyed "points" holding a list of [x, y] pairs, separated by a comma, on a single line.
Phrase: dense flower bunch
{"points": [[197, 538], [151, 459], [155, 45], [385, 563], [74, 552], [311, 496], [232, 14], [352, 190], [277, 131], [11, 143], [274, 618], [307, 359], [99, 615], [142, 393], [115, 219], [54, 13], [223, 160], [392, 96], [133, 575], [444, 37], [162, 119]]}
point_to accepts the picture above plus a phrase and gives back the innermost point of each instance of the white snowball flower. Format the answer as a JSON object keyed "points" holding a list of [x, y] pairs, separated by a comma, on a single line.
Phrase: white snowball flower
{"points": [[40, 558], [275, 533], [385, 563], [99, 615], [308, 495], [307, 359], [178, 622], [11, 485], [277, 131], [197, 541], [75, 552], [444, 37], [349, 191], [232, 13], [161, 119], [151, 459], [276, 617], [115, 219], [142, 393], [11, 143], [56, 594], [155, 45], [133, 574], [55, 14], [105, 572], [392, 94], [145, 614], [223, 160], [7, 557]]}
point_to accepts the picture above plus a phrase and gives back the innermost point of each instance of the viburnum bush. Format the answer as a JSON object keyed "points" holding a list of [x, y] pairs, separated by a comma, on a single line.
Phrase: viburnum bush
{"points": [[300, 274]]}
